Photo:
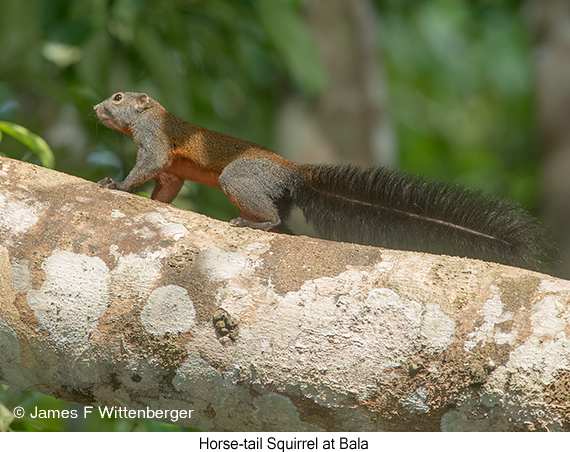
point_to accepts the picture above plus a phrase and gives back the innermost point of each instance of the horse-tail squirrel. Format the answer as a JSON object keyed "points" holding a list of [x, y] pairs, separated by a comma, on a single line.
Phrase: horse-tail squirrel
{"points": [[371, 206]]}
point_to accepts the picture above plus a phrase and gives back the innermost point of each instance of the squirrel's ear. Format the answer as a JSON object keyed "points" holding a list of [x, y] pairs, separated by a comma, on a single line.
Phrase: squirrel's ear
{"points": [[142, 102]]}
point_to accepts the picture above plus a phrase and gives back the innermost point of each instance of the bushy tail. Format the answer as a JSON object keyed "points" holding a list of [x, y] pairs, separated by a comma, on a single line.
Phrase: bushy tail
{"points": [[382, 207]]}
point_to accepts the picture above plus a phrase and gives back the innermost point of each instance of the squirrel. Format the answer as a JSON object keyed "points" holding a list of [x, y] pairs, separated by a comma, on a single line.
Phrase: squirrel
{"points": [[369, 206]]}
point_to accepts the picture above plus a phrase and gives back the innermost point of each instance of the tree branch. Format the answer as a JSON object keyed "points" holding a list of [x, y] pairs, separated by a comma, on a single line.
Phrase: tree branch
{"points": [[111, 299]]}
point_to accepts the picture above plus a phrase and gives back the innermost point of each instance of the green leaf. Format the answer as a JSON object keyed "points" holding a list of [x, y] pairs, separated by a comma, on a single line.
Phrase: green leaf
{"points": [[1, 153], [34, 142], [163, 68], [6, 418], [293, 41]]}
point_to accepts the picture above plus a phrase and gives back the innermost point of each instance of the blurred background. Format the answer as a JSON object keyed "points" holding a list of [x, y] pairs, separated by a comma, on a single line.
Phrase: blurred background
{"points": [[472, 91]]}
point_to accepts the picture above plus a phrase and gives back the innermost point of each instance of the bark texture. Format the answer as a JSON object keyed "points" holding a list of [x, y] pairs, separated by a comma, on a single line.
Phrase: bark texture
{"points": [[111, 299]]}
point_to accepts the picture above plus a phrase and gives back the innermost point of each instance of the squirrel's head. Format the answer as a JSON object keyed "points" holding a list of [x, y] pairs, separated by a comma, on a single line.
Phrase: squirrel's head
{"points": [[122, 110]]}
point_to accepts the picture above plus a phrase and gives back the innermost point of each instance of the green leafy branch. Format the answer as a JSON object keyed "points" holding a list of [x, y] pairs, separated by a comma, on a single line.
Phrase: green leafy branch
{"points": [[34, 142]]}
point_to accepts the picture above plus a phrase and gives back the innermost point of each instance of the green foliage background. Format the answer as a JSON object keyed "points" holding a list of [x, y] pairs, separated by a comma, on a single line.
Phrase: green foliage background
{"points": [[458, 73]]}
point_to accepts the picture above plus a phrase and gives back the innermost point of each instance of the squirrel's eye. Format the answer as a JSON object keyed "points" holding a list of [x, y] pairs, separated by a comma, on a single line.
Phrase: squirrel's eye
{"points": [[118, 97]]}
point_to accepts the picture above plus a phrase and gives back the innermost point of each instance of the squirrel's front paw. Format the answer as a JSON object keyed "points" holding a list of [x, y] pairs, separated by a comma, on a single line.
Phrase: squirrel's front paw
{"points": [[107, 183]]}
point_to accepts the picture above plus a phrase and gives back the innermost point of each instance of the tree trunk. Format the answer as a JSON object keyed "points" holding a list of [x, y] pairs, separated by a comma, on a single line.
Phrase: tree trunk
{"points": [[551, 22], [349, 121], [114, 300]]}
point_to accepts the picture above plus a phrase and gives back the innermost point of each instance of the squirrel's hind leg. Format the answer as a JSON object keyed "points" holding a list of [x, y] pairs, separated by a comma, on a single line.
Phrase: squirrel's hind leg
{"points": [[259, 189]]}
